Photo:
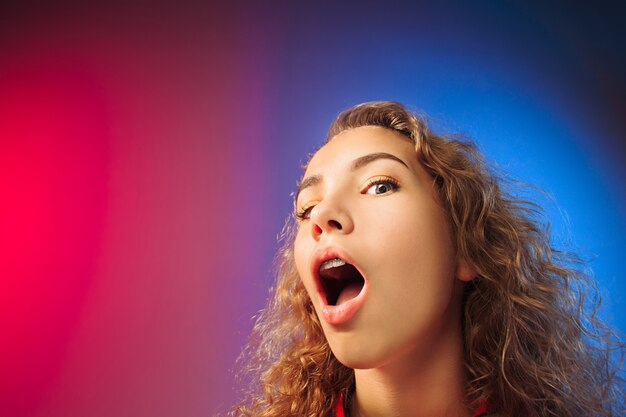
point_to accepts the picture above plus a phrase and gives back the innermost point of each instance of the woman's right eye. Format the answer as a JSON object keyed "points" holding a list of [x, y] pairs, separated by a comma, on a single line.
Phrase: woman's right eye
{"points": [[304, 213]]}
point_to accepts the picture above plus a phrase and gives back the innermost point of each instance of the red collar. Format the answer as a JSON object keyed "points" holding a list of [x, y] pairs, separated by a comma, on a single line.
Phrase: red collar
{"points": [[482, 408]]}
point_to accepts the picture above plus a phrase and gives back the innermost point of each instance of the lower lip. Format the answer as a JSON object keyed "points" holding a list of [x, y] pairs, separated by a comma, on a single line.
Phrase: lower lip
{"points": [[341, 314]]}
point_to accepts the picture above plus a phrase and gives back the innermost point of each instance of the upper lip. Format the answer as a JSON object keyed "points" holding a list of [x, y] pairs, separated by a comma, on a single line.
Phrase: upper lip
{"points": [[323, 254]]}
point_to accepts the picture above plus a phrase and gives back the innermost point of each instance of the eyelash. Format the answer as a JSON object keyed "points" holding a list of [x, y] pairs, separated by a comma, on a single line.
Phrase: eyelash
{"points": [[382, 180], [304, 213]]}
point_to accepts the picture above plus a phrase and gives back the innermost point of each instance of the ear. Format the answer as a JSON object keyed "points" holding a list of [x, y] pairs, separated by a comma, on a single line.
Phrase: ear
{"points": [[465, 271]]}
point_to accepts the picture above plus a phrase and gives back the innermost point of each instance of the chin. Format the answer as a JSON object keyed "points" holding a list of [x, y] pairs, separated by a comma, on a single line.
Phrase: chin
{"points": [[356, 363], [359, 358]]}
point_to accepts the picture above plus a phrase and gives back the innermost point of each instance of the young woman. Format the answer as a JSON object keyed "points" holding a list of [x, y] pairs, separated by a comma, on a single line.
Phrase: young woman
{"points": [[411, 284]]}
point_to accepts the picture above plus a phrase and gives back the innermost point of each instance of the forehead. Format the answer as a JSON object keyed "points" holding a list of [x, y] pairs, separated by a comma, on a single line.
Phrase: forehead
{"points": [[342, 149]]}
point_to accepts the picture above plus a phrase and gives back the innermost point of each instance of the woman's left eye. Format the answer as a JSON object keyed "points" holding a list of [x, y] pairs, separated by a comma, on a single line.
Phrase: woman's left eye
{"points": [[381, 186]]}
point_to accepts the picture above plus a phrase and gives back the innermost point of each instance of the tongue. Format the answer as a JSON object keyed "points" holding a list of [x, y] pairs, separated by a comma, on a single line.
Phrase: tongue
{"points": [[349, 292]]}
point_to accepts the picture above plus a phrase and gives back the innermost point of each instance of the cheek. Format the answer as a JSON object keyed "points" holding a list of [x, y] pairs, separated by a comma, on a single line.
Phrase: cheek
{"points": [[301, 256], [419, 243], [298, 252]]}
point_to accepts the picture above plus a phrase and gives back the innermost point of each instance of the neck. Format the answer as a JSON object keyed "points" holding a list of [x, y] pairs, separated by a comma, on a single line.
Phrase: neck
{"points": [[430, 383]]}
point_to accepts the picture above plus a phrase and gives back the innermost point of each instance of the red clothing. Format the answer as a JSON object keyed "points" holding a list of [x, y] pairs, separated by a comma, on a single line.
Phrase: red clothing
{"points": [[482, 409]]}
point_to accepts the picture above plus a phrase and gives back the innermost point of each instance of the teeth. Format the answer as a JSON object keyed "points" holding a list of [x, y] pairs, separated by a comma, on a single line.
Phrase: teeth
{"points": [[332, 263]]}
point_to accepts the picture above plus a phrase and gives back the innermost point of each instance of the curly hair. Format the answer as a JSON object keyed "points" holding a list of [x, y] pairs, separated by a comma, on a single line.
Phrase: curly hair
{"points": [[533, 345]]}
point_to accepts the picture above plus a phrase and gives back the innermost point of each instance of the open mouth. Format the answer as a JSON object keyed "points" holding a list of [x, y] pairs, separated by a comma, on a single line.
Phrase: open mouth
{"points": [[340, 281]]}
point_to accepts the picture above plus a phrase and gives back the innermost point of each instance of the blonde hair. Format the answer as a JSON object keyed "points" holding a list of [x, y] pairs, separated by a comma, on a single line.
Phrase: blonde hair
{"points": [[531, 346]]}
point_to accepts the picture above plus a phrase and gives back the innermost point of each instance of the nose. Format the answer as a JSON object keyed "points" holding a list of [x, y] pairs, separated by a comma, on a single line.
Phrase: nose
{"points": [[327, 218]]}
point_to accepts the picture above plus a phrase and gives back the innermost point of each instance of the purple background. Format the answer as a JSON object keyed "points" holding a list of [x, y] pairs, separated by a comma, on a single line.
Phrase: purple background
{"points": [[148, 150]]}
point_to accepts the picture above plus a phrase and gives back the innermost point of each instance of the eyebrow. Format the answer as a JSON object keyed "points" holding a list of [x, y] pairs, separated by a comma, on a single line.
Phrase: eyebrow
{"points": [[369, 158], [360, 162]]}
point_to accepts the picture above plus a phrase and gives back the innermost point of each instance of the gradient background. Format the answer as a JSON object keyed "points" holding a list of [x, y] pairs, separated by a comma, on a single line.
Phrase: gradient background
{"points": [[148, 149]]}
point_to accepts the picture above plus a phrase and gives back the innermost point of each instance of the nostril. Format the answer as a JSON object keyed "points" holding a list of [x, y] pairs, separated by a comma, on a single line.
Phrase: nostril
{"points": [[335, 224]]}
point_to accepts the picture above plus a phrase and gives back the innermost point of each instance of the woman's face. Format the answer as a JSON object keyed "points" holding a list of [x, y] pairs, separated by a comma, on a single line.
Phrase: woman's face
{"points": [[374, 250]]}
